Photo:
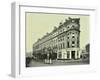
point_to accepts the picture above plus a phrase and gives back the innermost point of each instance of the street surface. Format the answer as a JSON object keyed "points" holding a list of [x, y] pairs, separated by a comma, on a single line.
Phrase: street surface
{"points": [[35, 63]]}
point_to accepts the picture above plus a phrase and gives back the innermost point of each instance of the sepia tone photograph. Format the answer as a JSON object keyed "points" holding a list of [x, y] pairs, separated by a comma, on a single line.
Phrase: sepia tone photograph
{"points": [[53, 39]]}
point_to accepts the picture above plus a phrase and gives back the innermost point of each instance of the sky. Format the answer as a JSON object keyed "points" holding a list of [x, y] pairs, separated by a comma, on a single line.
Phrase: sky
{"points": [[38, 24]]}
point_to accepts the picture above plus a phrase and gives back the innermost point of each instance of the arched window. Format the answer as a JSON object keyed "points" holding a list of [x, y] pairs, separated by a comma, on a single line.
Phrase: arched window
{"points": [[73, 36]]}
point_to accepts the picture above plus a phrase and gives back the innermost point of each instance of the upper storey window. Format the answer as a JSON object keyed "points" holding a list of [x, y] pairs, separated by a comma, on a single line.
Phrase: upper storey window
{"points": [[63, 29], [73, 42], [60, 31], [73, 26]]}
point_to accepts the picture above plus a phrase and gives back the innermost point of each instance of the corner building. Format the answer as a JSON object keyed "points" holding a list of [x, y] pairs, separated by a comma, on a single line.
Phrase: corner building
{"points": [[64, 40]]}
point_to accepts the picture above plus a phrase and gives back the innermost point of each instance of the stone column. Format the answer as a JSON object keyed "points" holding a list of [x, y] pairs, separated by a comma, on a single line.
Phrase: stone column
{"points": [[62, 55], [65, 56], [76, 54]]}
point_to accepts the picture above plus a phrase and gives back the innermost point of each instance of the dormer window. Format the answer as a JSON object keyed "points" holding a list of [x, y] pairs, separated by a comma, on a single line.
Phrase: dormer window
{"points": [[72, 20], [73, 36]]}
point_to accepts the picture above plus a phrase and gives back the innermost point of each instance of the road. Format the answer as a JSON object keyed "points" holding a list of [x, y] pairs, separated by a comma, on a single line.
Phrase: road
{"points": [[35, 63]]}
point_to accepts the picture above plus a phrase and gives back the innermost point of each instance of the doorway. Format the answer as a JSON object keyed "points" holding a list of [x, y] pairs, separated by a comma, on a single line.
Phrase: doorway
{"points": [[73, 54]]}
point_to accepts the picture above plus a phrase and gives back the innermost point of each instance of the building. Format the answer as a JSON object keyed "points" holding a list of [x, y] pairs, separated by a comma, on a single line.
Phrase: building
{"points": [[64, 40]]}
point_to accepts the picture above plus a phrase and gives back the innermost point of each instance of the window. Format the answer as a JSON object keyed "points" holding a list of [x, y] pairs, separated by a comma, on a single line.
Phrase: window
{"points": [[77, 43], [61, 31], [59, 47], [63, 45], [68, 44], [72, 33], [56, 40], [56, 46], [73, 26], [73, 46], [73, 36], [77, 53], [73, 42], [72, 20], [67, 26]]}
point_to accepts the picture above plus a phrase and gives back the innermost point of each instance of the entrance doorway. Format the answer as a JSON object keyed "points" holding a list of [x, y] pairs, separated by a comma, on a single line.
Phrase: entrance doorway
{"points": [[73, 54]]}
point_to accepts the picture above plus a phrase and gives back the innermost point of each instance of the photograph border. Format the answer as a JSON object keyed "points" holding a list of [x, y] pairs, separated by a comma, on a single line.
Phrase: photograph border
{"points": [[16, 29], [47, 32]]}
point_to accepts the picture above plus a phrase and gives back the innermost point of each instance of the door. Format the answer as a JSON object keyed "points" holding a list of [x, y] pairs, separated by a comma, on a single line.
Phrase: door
{"points": [[73, 54]]}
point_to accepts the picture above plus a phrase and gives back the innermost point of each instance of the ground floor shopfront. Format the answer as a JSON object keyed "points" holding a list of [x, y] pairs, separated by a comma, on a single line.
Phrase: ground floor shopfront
{"points": [[72, 53]]}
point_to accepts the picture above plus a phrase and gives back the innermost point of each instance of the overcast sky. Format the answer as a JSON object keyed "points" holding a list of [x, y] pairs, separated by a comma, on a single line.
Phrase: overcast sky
{"points": [[38, 24]]}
